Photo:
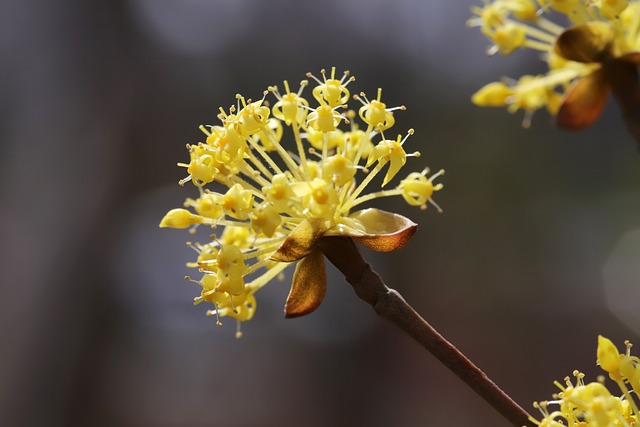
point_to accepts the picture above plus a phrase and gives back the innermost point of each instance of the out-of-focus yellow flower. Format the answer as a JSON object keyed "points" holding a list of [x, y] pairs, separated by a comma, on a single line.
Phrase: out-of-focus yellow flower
{"points": [[281, 201], [596, 53], [581, 404]]}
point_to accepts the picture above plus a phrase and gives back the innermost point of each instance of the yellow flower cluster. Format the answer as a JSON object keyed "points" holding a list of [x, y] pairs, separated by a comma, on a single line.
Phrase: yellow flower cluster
{"points": [[592, 404], [599, 50], [278, 202]]}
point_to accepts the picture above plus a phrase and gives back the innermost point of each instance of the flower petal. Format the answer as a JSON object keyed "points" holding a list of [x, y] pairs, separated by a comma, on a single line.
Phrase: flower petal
{"points": [[608, 357], [583, 101], [301, 240], [383, 231], [589, 42], [309, 286]]}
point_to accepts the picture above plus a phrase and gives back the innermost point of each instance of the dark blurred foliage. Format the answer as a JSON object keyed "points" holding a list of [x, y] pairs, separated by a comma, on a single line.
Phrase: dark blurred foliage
{"points": [[537, 251]]}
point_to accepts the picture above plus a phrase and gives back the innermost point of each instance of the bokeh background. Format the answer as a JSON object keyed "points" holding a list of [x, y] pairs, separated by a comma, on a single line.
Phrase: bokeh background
{"points": [[537, 251]]}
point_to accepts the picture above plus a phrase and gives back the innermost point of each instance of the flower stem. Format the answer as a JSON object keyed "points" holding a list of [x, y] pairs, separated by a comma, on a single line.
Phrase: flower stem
{"points": [[389, 304]]}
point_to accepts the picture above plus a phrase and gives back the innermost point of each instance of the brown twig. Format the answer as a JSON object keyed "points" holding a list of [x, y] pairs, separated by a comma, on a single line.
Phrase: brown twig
{"points": [[389, 304]]}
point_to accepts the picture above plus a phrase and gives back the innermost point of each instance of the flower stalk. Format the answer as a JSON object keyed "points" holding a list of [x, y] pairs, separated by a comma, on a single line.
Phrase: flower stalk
{"points": [[389, 304], [283, 208]]}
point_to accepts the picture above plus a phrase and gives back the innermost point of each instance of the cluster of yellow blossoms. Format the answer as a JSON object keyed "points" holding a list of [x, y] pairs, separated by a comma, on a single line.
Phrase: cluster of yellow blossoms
{"points": [[592, 404], [597, 53], [277, 203]]}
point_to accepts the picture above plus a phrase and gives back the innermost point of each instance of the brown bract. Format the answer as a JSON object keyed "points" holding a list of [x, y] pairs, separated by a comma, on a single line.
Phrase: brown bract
{"points": [[594, 43], [378, 230], [384, 231]]}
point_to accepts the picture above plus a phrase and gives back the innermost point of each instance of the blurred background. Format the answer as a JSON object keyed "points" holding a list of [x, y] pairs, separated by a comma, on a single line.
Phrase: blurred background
{"points": [[535, 254]]}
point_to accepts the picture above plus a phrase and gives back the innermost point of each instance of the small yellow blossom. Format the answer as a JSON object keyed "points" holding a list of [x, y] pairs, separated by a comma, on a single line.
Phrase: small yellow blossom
{"points": [[494, 94], [273, 199], [332, 93], [417, 188], [376, 114], [206, 205], [596, 51], [608, 357], [180, 218], [237, 202], [592, 404], [291, 107], [265, 219]]}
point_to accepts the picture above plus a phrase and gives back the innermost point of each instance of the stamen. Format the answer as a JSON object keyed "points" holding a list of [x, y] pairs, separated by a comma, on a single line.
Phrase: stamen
{"points": [[238, 331], [435, 175], [183, 181], [433, 202], [211, 313], [314, 153], [409, 133]]}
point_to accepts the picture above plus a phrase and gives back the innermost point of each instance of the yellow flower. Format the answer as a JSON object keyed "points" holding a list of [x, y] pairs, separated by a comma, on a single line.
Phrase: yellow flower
{"points": [[592, 404], [608, 357], [180, 218], [597, 53], [280, 201]]}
